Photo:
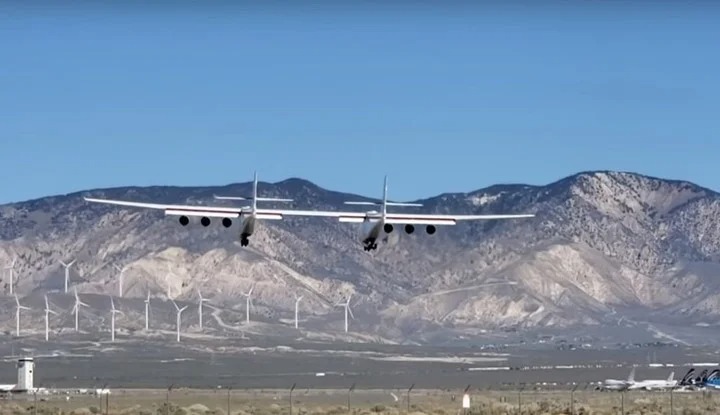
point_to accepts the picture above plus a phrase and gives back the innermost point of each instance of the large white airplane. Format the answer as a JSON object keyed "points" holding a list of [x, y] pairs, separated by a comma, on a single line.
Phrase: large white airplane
{"points": [[651, 384], [373, 222], [619, 385]]}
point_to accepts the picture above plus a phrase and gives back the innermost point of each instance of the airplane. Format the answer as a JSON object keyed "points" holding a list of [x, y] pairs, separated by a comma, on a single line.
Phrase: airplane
{"points": [[619, 385], [373, 222], [655, 384]]}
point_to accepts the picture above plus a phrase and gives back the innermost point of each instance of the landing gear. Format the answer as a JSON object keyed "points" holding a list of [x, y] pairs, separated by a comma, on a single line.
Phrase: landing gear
{"points": [[370, 245], [244, 240]]}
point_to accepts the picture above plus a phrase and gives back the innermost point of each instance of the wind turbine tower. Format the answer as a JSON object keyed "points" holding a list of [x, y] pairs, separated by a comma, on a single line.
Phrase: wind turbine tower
{"points": [[48, 311], [113, 311], [11, 269], [147, 312], [17, 315], [76, 310], [297, 301], [248, 302], [200, 308], [121, 270], [177, 322], [67, 272], [346, 304]]}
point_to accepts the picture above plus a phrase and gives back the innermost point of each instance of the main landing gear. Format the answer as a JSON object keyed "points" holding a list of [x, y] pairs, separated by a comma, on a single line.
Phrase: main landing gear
{"points": [[370, 245], [244, 240]]}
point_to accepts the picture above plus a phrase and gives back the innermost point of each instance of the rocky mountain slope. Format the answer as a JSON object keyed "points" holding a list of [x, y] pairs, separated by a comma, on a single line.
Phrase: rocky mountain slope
{"points": [[603, 249]]}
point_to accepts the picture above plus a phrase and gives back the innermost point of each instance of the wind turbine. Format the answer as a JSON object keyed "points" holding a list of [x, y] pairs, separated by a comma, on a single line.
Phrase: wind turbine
{"points": [[200, 307], [179, 313], [248, 302], [11, 268], [113, 311], [67, 272], [76, 310], [121, 270], [48, 311], [17, 315], [297, 301], [346, 304], [147, 312]]}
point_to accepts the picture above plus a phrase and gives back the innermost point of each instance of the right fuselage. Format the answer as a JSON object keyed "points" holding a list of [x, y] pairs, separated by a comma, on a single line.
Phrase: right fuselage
{"points": [[370, 232], [247, 228]]}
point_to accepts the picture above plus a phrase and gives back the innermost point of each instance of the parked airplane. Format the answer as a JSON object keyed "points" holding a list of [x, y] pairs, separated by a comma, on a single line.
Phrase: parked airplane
{"points": [[619, 385], [373, 222], [655, 384]]}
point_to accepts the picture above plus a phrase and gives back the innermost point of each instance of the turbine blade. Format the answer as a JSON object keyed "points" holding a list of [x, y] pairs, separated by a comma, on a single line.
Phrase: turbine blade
{"points": [[351, 313]]}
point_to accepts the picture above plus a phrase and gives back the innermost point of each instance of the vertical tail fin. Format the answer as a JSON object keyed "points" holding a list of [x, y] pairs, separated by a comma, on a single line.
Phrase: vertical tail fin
{"points": [[631, 377], [384, 202], [671, 377], [255, 192]]}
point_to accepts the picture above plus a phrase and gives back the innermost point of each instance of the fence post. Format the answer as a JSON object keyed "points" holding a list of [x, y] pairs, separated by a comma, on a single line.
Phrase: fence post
{"points": [[408, 397], [672, 410], [291, 391], [352, 388], [522, 386], [228, 400], [572, 399], [167, 399]]}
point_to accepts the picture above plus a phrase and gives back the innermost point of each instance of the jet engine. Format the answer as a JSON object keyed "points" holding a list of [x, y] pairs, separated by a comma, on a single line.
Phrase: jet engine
{"points": [[227, 222], [184, 220], [205, 221], [430, 229], [388, 228], [409, 229]]}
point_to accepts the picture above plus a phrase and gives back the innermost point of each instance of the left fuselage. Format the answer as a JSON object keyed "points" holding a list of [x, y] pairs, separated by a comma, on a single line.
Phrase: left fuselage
{"points": [[370, 230]]}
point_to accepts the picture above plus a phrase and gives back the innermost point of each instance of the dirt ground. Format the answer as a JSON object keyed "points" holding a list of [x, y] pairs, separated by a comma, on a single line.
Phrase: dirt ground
{"points": [[361, 402]]}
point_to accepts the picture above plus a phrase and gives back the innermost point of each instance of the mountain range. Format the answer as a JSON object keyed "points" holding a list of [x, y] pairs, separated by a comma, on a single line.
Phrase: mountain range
{"points": [[605, 250]]}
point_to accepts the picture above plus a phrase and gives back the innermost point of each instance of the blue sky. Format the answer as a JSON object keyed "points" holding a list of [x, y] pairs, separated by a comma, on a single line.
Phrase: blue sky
{"points": [[440, 99]]}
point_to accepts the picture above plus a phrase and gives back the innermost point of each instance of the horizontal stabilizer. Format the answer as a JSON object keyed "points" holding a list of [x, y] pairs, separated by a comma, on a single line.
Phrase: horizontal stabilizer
{"points": [[380, 204], [272, 199], [231, 197], [363, 203], [404, 204], [259, 199]]}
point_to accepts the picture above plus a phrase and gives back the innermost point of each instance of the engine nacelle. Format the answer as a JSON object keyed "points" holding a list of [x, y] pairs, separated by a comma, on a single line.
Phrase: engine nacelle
{"points": [[184, 220], [430, 229], [227, 222], [388, 228], [205, 221], [409, 229]]}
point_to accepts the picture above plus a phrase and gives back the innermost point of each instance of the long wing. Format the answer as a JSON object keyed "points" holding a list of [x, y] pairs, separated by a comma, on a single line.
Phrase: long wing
{"points": [[393, 218], [411, 219], [187, 210], [278, 214]]}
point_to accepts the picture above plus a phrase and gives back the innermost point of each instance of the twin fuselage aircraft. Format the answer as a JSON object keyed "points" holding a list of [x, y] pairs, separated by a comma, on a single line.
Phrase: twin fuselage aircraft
{"points": [[374, 223]]}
